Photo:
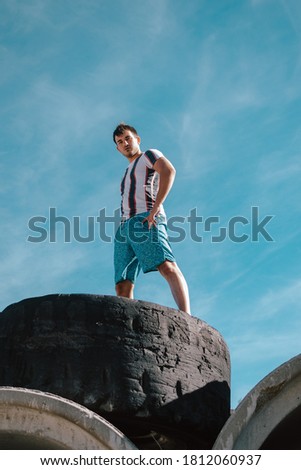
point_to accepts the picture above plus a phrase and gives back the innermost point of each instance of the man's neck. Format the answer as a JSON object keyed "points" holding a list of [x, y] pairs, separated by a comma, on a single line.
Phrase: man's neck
{"points": [[135, 156]]}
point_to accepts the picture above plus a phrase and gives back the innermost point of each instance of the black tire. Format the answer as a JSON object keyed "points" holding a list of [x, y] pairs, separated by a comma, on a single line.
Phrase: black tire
{"points": [[159, 375]]}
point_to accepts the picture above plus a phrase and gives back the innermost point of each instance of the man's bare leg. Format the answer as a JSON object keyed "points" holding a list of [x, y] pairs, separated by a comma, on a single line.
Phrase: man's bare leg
{"points": [[125, 289], [177, 283]]}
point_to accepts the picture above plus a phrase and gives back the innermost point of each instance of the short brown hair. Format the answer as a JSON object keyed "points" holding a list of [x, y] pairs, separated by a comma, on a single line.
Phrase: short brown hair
{"points": [[121, 128]]}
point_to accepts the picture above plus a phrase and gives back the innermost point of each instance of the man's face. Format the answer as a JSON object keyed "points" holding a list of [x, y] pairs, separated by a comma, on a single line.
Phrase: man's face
{"points": [[128, 143]]}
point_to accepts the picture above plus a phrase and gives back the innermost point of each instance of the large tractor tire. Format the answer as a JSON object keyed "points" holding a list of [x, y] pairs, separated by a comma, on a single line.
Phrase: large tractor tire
{"points": [[159, 375]]}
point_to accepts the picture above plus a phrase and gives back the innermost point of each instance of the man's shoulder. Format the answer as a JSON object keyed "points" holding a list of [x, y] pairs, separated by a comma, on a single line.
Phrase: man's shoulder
{"points": [[152, 155]]}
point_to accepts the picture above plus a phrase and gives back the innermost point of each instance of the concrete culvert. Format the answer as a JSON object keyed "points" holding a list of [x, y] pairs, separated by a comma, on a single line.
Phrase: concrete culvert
{"points": [[269, 417], [159, 375], [31, 420]]}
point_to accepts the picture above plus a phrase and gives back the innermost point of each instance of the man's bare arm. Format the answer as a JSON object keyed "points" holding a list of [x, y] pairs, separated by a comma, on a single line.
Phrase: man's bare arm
{"points": [[167, 174]]}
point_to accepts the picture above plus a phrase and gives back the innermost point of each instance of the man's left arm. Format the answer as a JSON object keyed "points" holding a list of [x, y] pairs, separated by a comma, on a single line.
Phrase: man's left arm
{"points": [[167, 174]]}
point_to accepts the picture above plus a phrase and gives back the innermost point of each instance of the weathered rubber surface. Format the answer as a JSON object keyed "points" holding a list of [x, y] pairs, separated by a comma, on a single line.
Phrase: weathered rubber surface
{"points": [[159, 375]]}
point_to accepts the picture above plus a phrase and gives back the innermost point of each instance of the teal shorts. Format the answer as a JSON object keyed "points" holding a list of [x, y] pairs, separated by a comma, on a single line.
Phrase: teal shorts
{"points": [[137, 247]]}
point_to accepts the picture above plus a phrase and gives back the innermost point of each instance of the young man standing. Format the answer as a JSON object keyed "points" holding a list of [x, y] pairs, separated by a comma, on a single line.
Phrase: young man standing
{"points": [[141, 241]]}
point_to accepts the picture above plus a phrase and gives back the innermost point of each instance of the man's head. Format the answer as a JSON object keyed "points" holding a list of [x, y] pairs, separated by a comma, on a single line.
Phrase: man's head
{"points": [[127, 140], [120, 130]]}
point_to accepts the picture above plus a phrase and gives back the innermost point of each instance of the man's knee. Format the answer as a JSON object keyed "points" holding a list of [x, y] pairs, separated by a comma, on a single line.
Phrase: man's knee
{"points": [[124, 289], [168, 268]]}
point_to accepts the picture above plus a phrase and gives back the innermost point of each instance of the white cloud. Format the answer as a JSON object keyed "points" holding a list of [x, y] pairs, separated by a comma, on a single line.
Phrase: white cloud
{"points": [[219, 82], [27, 15], [281, 300], [35, 269], [274, 170], [292, 11]]}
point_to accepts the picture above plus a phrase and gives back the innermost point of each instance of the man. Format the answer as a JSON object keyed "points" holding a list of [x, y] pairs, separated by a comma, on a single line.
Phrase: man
{"points": [[141, 241]]}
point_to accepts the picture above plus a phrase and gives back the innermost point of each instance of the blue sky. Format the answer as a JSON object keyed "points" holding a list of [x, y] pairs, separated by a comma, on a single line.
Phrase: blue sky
{"points": [[215, 85]]}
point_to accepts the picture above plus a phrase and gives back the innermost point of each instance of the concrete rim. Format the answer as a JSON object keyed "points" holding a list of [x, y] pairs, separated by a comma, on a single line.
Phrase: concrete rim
{"points": [[263, 408], [34, 416]]}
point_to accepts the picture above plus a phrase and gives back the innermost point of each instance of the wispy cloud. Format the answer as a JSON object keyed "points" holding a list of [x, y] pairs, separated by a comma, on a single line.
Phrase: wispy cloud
{"points": [[26, 15], [293, 12], [234, 83], [285, 299], [36, 270], [219, 88], [263, 348]]}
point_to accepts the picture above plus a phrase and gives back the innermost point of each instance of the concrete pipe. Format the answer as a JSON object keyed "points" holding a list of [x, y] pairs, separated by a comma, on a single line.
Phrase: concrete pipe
{"points": [[30, 419], [269, 416]]}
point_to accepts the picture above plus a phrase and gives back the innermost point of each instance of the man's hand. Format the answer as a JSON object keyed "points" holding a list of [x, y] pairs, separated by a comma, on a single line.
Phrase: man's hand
{"points": [[150, 219], [167, 175]]}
